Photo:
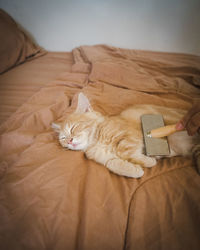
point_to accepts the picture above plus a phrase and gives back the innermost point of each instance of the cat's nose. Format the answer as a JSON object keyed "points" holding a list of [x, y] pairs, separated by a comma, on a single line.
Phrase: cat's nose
{"points": [[70, 141]]}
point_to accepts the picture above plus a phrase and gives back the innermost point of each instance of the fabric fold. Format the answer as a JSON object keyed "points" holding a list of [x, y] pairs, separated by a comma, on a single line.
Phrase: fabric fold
{"points": [[53, 198]]}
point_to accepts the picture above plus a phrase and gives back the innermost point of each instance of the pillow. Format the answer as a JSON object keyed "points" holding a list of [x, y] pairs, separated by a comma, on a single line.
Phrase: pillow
{"points": [[15, 46]]}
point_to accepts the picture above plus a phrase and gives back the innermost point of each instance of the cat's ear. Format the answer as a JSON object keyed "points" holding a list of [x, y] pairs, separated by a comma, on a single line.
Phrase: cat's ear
{"points": [[83, 105], [56, 127]]}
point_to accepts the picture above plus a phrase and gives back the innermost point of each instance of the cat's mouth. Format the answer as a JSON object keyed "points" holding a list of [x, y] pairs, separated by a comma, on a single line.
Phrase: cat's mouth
{"points": [[73, 145]]}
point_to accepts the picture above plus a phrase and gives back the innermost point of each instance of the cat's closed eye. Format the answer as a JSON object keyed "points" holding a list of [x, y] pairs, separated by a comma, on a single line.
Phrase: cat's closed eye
{"points": [[63, 138]]}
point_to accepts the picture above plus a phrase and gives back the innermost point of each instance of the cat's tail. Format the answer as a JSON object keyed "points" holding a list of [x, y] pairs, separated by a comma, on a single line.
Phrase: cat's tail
{"points": [[124, 168]]}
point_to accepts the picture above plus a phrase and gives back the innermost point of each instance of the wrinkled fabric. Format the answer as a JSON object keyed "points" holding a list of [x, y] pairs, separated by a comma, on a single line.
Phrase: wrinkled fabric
{"points": [[19, 84], [52, 198]]}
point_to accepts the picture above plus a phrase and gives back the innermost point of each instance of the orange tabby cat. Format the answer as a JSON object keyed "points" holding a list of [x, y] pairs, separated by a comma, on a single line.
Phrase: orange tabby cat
{"points": [[117, 141]]}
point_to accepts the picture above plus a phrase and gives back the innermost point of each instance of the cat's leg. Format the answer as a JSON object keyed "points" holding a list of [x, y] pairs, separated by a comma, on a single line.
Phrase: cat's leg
{"points": [[124, 168], [144, 160], [114, 163], [132, 150]]}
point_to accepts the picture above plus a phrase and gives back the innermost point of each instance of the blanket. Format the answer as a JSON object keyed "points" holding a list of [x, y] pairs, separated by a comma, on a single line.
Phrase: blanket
{"points": [[52, 198]]}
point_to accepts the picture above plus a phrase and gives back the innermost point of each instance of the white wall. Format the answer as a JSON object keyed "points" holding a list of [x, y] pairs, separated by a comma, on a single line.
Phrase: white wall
{"points": [[61, 25]]}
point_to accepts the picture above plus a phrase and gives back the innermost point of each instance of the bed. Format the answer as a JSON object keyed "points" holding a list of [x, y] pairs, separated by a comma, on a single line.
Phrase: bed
{"points": [[51, 198]]}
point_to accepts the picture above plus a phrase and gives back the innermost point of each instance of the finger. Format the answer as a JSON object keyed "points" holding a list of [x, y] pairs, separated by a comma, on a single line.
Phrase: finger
{"points": [[194, 124], [179, 126]]}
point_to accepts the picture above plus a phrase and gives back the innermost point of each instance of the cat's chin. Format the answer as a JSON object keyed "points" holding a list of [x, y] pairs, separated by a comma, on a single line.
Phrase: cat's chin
{"points": [[77, 147]]}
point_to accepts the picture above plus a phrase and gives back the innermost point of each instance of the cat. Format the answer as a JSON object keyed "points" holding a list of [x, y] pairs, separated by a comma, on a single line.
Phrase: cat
{"points": [[117, 141]]}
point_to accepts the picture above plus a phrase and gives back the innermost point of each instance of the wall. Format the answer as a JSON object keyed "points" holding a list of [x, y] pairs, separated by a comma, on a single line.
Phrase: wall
{"points": [[61, 25]]}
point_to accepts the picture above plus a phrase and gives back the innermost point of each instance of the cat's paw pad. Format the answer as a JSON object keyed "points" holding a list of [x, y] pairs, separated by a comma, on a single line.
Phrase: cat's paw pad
{"points": [[150, 162], [137, 172]]}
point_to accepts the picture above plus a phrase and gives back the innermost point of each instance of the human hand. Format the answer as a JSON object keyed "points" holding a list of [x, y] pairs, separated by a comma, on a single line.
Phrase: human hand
{"points": [[191, 121]]}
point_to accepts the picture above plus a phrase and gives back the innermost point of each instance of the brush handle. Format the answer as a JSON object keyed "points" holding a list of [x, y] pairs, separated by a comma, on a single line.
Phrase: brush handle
{"points": [[163, 131]]}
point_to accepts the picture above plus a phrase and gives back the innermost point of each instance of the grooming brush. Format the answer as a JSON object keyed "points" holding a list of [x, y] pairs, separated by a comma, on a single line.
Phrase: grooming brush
{"points": [[155, 133]]}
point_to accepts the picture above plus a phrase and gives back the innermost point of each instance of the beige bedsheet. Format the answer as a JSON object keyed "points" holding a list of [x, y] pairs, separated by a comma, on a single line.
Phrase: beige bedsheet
{"points": [[51, 198], [20, 83]]}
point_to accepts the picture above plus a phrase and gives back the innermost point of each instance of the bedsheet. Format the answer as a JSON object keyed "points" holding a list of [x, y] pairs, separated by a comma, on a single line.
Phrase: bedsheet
{"points": [[52, 198], [20, 83]]}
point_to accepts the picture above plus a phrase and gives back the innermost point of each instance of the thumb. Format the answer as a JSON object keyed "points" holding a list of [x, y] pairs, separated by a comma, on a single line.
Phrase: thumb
{"points": [[180, 126]]}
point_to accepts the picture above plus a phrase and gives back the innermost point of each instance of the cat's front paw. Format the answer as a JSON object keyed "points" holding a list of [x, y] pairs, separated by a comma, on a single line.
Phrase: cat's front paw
{"points": [[150, 162], [125, 168], [137, 172], [132, 170]]}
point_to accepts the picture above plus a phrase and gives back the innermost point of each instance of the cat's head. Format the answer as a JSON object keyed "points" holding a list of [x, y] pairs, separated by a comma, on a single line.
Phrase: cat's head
{"points": [[76, 133]]}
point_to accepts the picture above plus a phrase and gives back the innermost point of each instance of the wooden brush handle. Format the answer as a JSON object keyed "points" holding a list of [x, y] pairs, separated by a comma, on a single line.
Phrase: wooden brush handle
{"points": [[163, 131]]}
